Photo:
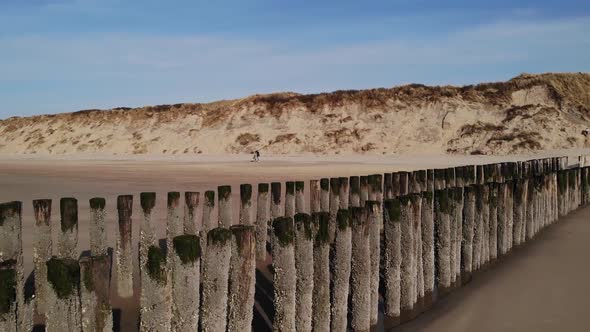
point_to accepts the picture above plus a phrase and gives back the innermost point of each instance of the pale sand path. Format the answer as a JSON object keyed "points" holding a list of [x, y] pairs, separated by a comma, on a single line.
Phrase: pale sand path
{"points": [[26, 178], [540, 287]]}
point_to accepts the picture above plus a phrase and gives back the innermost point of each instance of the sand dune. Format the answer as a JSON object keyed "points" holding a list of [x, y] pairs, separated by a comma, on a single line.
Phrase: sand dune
{"points": [[529, 112]]}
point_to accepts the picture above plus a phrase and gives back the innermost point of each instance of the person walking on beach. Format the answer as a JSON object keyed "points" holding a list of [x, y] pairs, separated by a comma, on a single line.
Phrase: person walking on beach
{"points": [[256, 156]]}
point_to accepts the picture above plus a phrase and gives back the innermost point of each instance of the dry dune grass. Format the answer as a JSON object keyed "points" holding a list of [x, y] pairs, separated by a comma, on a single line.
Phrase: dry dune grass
{"points": [[528, 112]]}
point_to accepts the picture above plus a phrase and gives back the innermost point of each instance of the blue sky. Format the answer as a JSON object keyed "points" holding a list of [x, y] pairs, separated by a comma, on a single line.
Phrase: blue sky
{"points": [[66, 55]]}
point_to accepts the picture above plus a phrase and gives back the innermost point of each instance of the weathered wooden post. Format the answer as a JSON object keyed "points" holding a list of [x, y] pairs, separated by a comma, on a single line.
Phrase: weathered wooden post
{"points": [[325, 195], [314, 196], [214, 278], [392, 259], [174, 223], [16, 312], [290, 199], [387, 185], [245, 204], [439, 179], [95, 271], [341, 271], [224, 202], [518, 211], [374, 219], [334, 206], [457, 215], [242, 278], [468, 227], [395, 185], [262, 219], [300, 197], [493, 221], [304, 267], [155, 308], [364, 186], [452, 235], [413, 186], [404, 183], [423, 180], [408, 274], [42, 249], [192, 224], [485, 214], [416, 200], [450, 177], [208, 223], [360, 286], [427, 218], [124, 256], [355, 191], [275, 200], [321, 273], [184, 264], [63, 274], [443, 240], [343, 192], [284, 277], [502, 220]]}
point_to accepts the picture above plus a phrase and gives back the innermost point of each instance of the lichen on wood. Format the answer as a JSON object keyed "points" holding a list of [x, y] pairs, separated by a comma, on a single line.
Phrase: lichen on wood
{"points": [[187, 248], [64, 276]]}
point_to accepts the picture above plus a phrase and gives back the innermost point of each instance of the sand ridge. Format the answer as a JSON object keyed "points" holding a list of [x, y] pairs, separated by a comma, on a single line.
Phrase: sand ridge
{"points": [[526, 113]]}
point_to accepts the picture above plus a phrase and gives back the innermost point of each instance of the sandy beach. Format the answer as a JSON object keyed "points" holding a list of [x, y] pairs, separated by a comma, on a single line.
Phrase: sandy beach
{"points": [[536, 288]]}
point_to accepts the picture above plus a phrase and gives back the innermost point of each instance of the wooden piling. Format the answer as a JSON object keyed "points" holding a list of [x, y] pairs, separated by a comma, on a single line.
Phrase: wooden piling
{"points": [[224, 203], [468, 227], [214, 278], [192, 223], [343, 194], [360, 286], [392, 259], [245, 216], [242, 278], [284, 277], [262, 220], [341, 271], [275, 200], [428, 264], [354, 191], [314, 196], [304, 268], [290, 199], [442, 224], [321, 308], [374, 219], [208, 206], [300, 197], [42, 250]]}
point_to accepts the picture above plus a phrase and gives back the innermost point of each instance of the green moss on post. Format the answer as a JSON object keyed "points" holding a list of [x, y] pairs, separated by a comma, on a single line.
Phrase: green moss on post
{"points": [[245, 193], [355, 185], [343, 219], [187, 248], [147, 201], [9, 210], [88, 278], [283, 230], [97, 203], [263, 187], [321, 220], [69, 213], [173, 197], [64, 276], [299, 186], [325, 184], [224, 192], [290, 187], [393, 209], [442, 197], [356, 214], [304, 220], [335, 185], [210, 197], [156, 264], [275, 188], [7, 285], [218, 235]]}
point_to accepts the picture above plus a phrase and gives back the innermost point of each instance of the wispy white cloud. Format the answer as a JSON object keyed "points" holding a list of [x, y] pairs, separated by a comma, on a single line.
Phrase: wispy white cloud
{"points": [[179, 67]]}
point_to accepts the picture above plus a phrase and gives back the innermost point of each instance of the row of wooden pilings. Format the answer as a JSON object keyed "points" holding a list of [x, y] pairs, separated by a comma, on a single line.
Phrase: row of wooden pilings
{"points": [[400, 239]]}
